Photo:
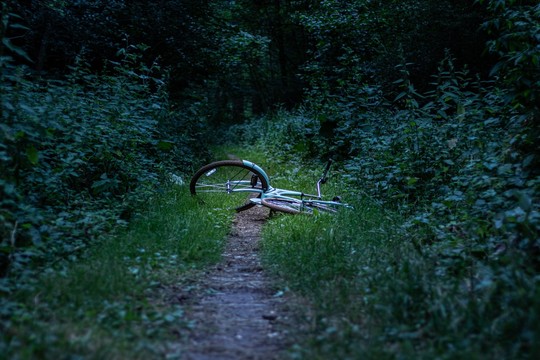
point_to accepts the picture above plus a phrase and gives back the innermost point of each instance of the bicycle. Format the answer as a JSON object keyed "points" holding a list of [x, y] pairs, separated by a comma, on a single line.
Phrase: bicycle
{"points": [[238, 178]]}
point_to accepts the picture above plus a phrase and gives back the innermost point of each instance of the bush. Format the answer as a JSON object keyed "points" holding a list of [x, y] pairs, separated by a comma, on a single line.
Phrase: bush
{"points": [[282, 134], [78, 155], [462, 262]]}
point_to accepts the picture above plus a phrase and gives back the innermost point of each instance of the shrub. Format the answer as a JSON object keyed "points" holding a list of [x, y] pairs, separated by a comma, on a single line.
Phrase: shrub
{"points": [[462, 262], [78, 155]]}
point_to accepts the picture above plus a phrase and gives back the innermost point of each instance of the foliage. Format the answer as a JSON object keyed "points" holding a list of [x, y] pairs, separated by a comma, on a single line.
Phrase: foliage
{"points": [[453, 151], [357, 40], [241, 57], [281, 133], [372, 295], [464, 249], [79, 155], [457, 160], [456, 156], [247, 57], [121, 299], [516, 27], [60, 31], [369, 290]]}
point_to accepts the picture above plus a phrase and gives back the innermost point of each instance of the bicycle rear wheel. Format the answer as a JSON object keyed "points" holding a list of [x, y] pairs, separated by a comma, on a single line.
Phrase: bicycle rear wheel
{"points": [[292, 206], [228, 184]]}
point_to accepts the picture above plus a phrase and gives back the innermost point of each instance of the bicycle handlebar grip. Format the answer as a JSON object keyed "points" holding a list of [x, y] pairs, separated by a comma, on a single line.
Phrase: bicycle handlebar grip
{"points": [[327, 167], [324, 177]]}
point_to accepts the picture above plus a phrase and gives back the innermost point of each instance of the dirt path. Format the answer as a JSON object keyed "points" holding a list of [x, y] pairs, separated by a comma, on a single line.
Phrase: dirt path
{"points": [[236, 313]]}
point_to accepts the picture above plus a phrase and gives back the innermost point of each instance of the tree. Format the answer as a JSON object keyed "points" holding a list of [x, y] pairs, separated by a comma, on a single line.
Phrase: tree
{"points": [[366, 40], [61, 31], [515, 27]]}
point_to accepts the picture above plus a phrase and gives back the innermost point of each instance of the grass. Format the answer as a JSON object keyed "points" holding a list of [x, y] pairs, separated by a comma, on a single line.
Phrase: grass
{"points": [[337, 264], [113, 302], [372, 292]]}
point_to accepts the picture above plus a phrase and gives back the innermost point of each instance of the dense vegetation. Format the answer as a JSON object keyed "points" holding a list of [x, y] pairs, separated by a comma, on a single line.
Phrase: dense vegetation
{"points": [[430, 106]]}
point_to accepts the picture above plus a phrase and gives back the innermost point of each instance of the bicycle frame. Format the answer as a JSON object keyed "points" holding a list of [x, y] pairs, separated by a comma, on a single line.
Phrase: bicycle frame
{"points": [[283, 194]]}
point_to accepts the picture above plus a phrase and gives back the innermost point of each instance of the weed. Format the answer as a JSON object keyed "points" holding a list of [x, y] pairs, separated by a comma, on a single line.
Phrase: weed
{"points": [[113, 302]]}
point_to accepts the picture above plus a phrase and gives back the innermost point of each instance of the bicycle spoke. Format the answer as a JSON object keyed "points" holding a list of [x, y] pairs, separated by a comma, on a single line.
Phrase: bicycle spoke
{"points": [[230, 182], [295, 206]]}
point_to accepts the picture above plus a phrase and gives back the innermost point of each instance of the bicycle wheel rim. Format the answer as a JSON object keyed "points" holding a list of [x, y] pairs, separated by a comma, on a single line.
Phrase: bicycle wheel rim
{"points": [[292, 206], [228, 184], [326, 208], [285, 205]]}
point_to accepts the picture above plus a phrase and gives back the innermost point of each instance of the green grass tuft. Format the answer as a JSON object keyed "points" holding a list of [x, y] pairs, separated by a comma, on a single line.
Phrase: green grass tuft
{"points": [[114, 301], [372, 292]]}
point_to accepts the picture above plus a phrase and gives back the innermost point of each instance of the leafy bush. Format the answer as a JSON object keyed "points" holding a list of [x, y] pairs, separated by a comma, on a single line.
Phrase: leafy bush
{"points": [[462, 261], [78, 155], [282, 134], [451, 272], [449, 154], [372, 295], [515, 26]]}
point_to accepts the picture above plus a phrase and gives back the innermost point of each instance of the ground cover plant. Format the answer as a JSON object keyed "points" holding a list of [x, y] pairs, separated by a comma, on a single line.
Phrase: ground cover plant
{"points": [[79, 155], [430, 109], [119, 300], [382, 283]]}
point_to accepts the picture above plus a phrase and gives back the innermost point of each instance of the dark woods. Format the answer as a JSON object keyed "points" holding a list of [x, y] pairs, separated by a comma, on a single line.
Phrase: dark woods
{"points": [[432, 106], [251, 56]]}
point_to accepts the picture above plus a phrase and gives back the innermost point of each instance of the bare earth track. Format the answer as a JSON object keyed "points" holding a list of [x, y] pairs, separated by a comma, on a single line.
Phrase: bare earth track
{"points": [[235, 312]]}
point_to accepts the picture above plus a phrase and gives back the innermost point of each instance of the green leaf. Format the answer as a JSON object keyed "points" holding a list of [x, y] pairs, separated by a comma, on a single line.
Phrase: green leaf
{"points": [[32, 154], [165, 145], [19, 26], [400, 96], [411, 181], [17, 50]]}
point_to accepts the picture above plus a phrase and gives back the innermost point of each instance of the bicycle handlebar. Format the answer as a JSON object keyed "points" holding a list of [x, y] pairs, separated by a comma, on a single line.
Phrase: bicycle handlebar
{"points": [[325, 173]]}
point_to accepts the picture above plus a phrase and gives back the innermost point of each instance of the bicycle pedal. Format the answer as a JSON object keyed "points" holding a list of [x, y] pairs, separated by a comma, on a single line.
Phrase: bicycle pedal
{"points": [[337, 199]]}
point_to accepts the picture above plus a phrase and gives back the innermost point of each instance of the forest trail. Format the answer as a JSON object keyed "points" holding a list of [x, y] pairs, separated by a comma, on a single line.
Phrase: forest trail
{"points": [[235, 312]]}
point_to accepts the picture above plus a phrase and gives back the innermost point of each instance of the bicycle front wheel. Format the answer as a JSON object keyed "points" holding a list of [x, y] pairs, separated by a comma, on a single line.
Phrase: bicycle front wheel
{"points": [[292, 206], [228, 184]]}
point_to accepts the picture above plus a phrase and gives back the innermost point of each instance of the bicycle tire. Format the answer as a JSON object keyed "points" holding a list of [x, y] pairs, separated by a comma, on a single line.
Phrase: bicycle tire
{"points": [[297, 206], [213, 181]]}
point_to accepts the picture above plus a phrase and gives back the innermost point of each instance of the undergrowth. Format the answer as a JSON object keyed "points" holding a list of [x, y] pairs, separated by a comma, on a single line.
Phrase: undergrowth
{"points": [[118, 301], [79, 156], [372, 293], [454, 272]]}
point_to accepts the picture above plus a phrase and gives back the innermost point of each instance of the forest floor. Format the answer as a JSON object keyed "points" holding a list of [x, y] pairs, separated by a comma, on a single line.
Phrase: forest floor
{"points": [[234, 311]]}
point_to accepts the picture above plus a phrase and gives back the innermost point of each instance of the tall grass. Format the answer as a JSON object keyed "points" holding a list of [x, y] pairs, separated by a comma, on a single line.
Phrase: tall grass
{"points": [[339, 265], [374, 293], [116, 301]]}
